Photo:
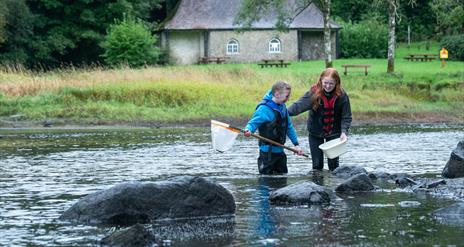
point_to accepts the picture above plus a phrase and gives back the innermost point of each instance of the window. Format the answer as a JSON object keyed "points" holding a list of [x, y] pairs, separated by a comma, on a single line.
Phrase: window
{"points": [[232, 47], [274, 46]]}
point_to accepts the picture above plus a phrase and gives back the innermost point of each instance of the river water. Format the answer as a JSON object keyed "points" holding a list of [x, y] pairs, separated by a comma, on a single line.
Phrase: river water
{"points": [[43, 172]]}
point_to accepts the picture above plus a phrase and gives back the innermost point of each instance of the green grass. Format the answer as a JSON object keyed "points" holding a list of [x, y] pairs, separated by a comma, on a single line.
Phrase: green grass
{"points": [[199, 92]]}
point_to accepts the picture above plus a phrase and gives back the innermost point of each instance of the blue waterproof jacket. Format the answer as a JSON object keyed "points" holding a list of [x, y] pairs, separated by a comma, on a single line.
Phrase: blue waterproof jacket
{"points": [[265, 114]]}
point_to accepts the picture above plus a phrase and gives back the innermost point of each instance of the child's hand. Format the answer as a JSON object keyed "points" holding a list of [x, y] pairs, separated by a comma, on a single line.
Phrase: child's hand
{"points": [[247, 133], [343, 137], [299, 151]]}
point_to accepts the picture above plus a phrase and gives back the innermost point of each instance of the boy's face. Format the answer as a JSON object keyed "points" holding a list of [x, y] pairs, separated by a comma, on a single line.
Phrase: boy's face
{"points": [[282, 96]]}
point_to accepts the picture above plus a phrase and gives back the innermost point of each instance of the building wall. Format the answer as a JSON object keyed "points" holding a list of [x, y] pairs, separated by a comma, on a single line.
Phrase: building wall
{"points": [[253, 45], [184, 47], [312, 45]]}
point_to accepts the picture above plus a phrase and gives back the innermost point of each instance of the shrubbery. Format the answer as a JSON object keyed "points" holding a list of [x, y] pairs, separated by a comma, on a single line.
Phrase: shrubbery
{"points": [[455, 46], [367, 39], [130, 42]]}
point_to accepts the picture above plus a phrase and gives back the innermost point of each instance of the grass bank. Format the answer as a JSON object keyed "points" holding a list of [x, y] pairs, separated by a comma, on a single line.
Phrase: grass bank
{"points": [[420, 91]]}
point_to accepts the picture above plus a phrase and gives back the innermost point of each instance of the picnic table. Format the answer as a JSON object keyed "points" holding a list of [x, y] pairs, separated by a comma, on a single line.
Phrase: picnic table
{"points": [[218, 60], [346, 66], [420, 57], [273, 62]]}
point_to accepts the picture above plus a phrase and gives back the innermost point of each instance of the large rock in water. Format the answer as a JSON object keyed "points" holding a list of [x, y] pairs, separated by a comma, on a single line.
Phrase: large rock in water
{"points": [[454, 168], [360, 182], [453, 214], [137, 202], [348, 171], [301, 193]]}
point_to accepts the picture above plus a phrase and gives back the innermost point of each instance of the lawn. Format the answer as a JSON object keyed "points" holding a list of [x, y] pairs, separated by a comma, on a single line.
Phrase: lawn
{"points": [[228, 91]]}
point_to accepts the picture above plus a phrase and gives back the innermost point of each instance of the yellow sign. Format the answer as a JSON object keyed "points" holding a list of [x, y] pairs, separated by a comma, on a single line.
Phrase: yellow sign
{"points": [[443, 53]]}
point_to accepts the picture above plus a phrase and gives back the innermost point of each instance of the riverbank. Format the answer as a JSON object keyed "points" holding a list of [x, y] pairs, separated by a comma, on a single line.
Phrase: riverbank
{"points": [[359, 119], [180, 95]]}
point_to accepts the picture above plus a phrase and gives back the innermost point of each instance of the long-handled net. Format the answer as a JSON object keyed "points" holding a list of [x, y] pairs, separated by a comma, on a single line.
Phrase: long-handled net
{"points": [[222, 135]]}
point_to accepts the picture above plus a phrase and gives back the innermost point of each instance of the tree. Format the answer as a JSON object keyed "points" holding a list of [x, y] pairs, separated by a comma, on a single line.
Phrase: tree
{"points": [[350, 10], [449, 16], [392, 12], [419, 18], [3, 11], [393, 7], [51, 33], [130, 42], [253, 10], [16, 23], [325, 4]]}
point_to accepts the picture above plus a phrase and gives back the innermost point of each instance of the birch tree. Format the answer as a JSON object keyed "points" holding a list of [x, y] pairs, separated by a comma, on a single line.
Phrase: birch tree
{"points": [[253, 10], [325, 4], [392, 13], [393, 7]]}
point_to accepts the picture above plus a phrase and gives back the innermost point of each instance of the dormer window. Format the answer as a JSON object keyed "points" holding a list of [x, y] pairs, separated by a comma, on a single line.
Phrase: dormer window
{"points": [[274, 46], [232, 46]]}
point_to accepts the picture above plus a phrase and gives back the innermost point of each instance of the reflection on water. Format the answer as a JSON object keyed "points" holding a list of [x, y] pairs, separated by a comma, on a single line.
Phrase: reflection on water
{"points": [[43, 172]]}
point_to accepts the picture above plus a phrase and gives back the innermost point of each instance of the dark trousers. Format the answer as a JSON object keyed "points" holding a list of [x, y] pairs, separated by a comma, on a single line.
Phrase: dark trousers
{"points": [[272, 163], [317, 155]]}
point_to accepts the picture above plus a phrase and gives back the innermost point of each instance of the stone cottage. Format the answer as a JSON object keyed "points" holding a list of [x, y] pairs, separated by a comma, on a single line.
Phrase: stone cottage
{"points": [[205, 28]]}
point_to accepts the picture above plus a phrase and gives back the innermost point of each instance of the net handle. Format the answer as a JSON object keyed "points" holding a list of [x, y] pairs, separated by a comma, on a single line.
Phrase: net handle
{"points": [[269, 141]]}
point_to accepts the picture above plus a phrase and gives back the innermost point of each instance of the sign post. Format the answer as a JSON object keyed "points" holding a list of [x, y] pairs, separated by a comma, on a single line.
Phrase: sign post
{"points": [[443, 56]]}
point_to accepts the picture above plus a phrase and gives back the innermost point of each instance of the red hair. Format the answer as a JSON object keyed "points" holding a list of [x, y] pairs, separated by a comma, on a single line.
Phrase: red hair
{"points": [[318, 90]]}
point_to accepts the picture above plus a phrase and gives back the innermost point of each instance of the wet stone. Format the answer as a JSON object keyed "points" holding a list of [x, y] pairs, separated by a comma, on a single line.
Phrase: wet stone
{"points": [[454, 168], [404, 182], [396, 176], [360, 182], [453, 214], [305, 192], [409, 204], [137, 202], [379, 175], [348, 171]]}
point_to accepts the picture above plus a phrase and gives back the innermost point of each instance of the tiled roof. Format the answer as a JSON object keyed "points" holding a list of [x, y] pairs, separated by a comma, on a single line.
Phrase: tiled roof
{"points": [[220, 14]]}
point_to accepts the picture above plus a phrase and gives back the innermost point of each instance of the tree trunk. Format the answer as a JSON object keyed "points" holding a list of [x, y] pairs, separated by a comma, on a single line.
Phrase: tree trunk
{"points": [[327, 38], [391, 35]]}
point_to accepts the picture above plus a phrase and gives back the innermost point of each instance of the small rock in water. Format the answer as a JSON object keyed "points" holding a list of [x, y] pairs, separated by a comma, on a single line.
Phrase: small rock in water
{"points": [[269, 241], [47, 123], [409, 204], [374, 205], [405, 182], [435, 183]]}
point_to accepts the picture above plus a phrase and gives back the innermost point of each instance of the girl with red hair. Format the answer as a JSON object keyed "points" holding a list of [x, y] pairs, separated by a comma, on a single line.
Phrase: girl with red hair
{"points": [[329, 115]]}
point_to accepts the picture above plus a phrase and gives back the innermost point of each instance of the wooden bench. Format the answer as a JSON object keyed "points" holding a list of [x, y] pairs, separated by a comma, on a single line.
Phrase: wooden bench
{"points": [[421, 57], [346, 66], [207, 60], [278, 63]]}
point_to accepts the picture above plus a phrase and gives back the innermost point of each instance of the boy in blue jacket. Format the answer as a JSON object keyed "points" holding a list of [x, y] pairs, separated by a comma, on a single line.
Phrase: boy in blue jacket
{"points": [[272, 121]]}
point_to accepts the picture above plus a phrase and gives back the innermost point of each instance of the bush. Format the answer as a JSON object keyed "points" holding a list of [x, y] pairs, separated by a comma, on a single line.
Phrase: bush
{"points": [[130, 42], [455, 46], [367, 39]]}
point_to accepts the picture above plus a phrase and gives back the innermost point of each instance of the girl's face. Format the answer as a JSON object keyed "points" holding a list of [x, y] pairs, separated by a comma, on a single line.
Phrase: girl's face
{"points": [[328, 84]]}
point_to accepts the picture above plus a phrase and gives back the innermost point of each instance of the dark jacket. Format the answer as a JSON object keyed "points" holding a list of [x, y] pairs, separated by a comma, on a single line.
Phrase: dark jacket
{"points": [[342, 120], [265, 114], [275, 130]]}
